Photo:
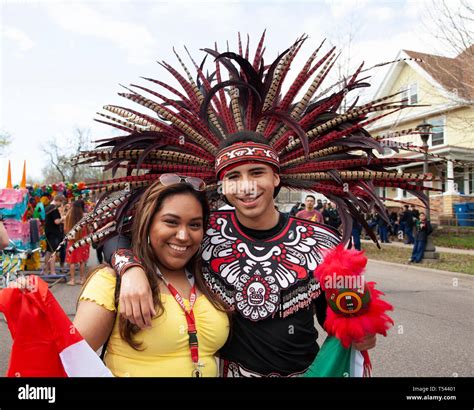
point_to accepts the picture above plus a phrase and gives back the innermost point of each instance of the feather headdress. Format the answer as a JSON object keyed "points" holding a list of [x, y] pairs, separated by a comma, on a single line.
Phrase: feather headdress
{"points": [[320, 146]]}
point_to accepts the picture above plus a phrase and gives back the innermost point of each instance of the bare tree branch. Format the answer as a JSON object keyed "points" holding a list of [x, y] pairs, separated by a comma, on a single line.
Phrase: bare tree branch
{"points": [[59, 167]]}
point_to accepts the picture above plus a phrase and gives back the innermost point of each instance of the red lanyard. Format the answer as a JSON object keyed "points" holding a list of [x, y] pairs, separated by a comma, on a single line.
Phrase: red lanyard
{"points": [[190, 319]]}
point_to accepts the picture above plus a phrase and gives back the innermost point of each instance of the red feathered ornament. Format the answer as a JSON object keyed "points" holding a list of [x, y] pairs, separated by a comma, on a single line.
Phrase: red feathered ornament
{"points": [[355, 309]]}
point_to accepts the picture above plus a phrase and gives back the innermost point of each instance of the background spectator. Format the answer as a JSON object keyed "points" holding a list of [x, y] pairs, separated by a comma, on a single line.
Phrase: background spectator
{"points": [[415, 212], [331, 217], [80, 255], [382, 228], [53, 233], [295, 209], [409, 223], [310, 213], [356, 231], [423, 229]]}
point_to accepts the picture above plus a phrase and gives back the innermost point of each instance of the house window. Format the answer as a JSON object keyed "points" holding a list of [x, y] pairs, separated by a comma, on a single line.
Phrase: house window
{"points": [[437, 131], [459, 180], [295, 196], [413, 91], [404, 96], [409, 94], [471, 181]]}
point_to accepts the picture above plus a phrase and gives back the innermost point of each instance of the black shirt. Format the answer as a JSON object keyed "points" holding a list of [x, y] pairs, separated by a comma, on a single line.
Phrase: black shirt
{"points": [[51, 229], [282, 345], [407, 217]]}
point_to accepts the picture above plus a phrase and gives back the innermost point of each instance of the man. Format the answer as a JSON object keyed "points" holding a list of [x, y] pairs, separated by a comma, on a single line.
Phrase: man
{"points": [[260, 262], [319, 205], [415, 212], [53, 232], [310, 213]]}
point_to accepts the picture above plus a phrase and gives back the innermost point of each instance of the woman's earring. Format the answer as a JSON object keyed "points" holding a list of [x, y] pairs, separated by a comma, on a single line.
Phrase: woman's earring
{"points": [[148, 240]]}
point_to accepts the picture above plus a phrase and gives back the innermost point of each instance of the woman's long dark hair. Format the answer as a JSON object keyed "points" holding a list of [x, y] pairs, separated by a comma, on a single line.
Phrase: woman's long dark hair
{"points": [[74, 215]]}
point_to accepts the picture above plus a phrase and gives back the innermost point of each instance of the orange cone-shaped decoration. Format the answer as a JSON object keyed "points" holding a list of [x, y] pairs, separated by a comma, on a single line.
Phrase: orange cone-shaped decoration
{"points": [[9, 176], [23, 178]]}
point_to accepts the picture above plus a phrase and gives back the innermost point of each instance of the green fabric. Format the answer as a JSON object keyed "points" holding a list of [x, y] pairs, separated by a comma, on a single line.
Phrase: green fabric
{"points": [[332, 360]]}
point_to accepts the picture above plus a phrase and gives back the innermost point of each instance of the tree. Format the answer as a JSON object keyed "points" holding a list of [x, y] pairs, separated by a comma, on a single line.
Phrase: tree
{"points": [[451, 24], [60, 167], [5, 140]]}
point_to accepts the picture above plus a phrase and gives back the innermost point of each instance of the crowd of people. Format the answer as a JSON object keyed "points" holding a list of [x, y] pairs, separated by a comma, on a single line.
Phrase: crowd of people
{"points": [[408, 224], [320, 211]]}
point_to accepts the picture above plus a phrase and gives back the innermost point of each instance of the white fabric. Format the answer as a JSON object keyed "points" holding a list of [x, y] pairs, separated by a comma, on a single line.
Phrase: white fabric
{"points": [[79, 360], [356, 364]]}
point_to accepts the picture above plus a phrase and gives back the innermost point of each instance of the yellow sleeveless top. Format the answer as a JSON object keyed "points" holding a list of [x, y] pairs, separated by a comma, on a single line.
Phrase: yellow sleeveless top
{"points": [[166, 345]]}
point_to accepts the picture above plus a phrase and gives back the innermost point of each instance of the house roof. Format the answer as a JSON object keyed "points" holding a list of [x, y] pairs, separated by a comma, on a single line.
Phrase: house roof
{"points": [[454, 74]]}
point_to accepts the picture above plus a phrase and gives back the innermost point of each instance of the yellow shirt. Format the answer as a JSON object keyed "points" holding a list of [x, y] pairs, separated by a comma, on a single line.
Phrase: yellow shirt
{"points": [[166, 345]]}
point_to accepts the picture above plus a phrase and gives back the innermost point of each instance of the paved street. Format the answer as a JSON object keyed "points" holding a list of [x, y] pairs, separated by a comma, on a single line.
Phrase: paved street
{"points": [[434, 326], [433, 333]]}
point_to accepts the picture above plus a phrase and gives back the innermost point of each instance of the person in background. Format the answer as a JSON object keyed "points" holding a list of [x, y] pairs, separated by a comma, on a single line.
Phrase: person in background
{"points": [[52, 230], [331, 217], [423, 229], [295, 208], [415, 212], [409, 223], [63, 210], [78, 256], [309, 212], [382, 227], [356, 232], [319, 205], [393, 223], [401, 224]]}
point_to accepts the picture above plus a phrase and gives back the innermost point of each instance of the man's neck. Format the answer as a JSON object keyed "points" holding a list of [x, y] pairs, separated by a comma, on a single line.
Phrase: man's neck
{"points": [[262, 223]]}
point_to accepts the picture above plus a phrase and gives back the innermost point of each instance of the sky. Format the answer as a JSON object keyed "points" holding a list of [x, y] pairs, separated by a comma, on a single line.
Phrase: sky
{"points": [[61, 61]]}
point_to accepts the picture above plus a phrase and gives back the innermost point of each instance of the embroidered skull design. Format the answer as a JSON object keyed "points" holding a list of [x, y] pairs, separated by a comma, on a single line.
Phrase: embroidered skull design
{"points": [[256, 294]]}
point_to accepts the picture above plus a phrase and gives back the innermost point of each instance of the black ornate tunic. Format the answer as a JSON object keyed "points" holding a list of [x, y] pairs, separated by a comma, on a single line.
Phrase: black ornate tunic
{"points": [[261, 278]]}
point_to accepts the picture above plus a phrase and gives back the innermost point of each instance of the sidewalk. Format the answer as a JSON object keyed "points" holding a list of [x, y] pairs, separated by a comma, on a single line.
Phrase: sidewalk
{"points": [[438, 248]]}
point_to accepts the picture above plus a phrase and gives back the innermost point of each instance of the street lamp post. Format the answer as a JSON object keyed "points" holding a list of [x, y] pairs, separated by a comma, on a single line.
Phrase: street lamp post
{"points": [[425, 128]]}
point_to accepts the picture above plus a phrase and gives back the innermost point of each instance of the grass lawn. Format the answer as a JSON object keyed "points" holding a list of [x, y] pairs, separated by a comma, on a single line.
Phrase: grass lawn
{"points": [[447, 261], [452, 241]]}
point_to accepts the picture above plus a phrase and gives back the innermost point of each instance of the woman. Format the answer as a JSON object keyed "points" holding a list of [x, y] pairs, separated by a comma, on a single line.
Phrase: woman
{"points": [[167, 231], [78, 256]]}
